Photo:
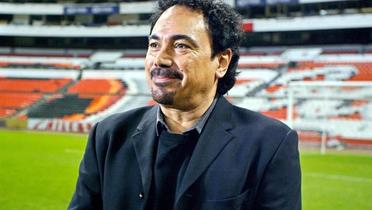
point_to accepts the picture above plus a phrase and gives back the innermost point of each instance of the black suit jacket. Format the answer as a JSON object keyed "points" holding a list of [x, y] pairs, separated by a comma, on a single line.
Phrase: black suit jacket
{"points": [[242, 160]]}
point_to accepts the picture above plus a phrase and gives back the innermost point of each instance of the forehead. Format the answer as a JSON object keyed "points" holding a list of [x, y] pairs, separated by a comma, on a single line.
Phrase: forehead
{"points": [[180, 19]]}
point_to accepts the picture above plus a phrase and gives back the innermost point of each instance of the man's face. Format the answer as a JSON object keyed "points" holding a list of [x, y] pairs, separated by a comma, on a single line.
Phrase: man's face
{"points": [[179, 67]]}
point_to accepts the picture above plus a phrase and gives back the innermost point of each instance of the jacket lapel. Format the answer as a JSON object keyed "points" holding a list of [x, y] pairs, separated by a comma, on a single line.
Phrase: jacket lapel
{"points": [[212, 140], [144, 145]]}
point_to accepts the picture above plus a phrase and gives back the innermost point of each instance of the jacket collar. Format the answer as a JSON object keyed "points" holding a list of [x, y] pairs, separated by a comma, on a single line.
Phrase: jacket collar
{"points": [[199, 125], [212, 140], [144, 145]]}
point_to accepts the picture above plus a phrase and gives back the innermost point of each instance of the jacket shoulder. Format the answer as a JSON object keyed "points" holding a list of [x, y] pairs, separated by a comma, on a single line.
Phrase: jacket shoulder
{"points": [[265, 134], [246, 117]]}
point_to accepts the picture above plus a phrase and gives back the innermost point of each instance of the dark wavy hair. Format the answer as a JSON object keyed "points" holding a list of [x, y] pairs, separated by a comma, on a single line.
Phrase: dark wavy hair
{"points": [[223, 25]]}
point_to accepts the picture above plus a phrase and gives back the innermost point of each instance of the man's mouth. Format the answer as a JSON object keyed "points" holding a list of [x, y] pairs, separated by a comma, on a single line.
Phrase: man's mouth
{"points": [[162, 81]]}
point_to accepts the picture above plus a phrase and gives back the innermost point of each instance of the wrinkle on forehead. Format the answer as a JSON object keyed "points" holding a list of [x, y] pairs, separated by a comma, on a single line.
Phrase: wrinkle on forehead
{"points": [[179, 15]]}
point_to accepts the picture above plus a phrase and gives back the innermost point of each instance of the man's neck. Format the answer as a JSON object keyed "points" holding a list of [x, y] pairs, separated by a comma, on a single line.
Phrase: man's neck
{"points": [[179, 121]]}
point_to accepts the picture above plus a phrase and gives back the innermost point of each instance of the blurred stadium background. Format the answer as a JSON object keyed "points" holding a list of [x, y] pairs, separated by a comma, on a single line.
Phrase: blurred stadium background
{"points": [[66, 64]]}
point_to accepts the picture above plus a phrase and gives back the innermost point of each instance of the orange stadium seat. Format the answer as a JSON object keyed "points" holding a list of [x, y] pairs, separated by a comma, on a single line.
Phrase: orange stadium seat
{"points": [[18, 100], [277, 113], [260, 65], [97, 86], [32, 85], [273, 88], [365, 72], [100, 103], [6, 112]]}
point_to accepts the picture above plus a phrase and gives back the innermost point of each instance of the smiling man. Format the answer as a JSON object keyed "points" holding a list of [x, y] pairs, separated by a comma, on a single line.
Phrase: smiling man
{"points": [[194, 150]]}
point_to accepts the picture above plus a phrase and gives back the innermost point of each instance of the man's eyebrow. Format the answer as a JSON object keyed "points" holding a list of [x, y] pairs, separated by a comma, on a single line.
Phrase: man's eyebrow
{"points": [[154, 36], [176, 37]]}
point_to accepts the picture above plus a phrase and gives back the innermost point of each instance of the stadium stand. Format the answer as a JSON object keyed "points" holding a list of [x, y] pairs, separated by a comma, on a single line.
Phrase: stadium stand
{"points": [[91, 64]]}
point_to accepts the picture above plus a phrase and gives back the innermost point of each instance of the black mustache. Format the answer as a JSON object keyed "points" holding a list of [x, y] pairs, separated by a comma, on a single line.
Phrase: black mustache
{"points": [[170, 73]]}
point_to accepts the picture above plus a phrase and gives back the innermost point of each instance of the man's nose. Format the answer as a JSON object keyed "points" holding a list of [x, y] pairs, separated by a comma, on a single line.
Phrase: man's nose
{"points": [[164, 58]]}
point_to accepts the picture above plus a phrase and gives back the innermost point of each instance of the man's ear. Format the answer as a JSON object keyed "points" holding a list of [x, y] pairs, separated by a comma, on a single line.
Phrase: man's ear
{"points": [[224, 59]]}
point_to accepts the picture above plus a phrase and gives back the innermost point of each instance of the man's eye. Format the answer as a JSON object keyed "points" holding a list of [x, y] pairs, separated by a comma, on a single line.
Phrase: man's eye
{"points": [[154, 45], [181, 46]]}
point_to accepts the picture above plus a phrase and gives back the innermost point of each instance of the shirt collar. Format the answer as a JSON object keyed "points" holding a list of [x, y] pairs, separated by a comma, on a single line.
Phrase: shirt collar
{"points": [[199, 125]]}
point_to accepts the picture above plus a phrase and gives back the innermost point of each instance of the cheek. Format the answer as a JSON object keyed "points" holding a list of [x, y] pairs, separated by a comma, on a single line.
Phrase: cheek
{"points": [[203, 70], [148, 62], [148, 65], [196, 69], [188, 71]]}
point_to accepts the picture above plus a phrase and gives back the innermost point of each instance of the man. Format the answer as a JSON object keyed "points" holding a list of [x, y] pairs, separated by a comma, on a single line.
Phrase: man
{"points": [[194, 150]]}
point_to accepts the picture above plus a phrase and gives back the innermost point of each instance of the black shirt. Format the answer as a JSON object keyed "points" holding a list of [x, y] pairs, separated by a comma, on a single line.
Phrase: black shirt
{"points": [[173, 155]]}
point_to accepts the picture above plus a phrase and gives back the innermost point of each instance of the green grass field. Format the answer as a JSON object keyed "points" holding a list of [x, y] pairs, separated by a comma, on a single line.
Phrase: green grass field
{"points": [[38, 171]]}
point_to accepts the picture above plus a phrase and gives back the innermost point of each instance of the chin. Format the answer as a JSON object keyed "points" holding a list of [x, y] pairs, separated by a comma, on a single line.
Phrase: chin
{"points": [[163, 98]]}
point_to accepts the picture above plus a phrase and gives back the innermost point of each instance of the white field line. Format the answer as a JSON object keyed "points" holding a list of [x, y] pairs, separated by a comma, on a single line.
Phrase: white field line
{"points": [[339, 177]]}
